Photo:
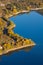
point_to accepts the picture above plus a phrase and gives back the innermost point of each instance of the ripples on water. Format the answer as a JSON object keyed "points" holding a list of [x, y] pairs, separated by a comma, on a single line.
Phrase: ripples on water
{"points": [[30, 26]]}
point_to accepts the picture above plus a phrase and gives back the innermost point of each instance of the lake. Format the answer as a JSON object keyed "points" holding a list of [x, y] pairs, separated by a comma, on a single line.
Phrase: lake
{"points": [[29, 26]]}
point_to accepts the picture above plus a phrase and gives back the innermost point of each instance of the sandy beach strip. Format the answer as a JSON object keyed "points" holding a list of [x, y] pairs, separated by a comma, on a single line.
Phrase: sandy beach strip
{"points": [[17, 48]]}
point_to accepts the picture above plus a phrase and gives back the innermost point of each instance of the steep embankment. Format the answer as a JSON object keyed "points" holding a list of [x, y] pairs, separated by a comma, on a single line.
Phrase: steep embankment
{"points": [[40, 11]]}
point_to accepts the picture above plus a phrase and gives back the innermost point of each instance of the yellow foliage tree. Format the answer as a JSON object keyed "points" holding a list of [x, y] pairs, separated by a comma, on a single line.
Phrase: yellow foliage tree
{"points": [[15, 11]]}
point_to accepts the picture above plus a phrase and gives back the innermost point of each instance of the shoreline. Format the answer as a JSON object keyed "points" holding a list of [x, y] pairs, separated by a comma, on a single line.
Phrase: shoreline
{"points": [[14, 14], [24, 11], [14, 49]]}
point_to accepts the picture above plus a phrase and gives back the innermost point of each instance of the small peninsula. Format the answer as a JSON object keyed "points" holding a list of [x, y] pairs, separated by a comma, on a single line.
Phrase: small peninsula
{"points": [[9, 41]]}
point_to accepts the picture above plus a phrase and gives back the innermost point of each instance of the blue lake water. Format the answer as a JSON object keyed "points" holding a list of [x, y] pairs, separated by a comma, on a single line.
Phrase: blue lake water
{"points": [[29, 26]]}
